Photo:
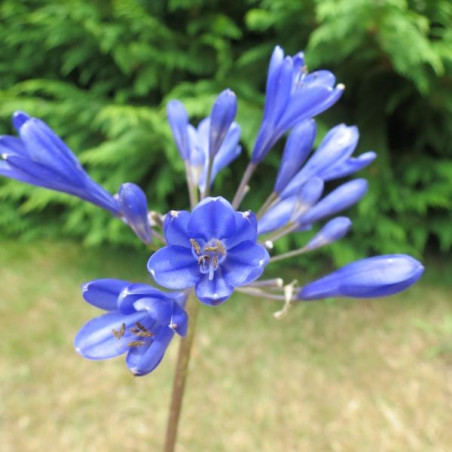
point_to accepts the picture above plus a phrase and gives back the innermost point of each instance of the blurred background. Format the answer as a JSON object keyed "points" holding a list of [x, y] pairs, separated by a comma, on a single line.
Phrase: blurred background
{"points": [[337, 375]]}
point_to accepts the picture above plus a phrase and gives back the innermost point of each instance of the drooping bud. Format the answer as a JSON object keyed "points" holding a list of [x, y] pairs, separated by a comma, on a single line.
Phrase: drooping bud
{"points": [[333, 231], [178, 121]]}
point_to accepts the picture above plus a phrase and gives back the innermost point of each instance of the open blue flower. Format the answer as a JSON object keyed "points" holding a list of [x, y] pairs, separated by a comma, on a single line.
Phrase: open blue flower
{"points": [[213, 249], [140, 321], [39, 157]]}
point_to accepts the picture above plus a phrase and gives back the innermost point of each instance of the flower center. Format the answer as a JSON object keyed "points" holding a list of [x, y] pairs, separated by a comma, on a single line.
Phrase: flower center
{"points": [[209, 256]]}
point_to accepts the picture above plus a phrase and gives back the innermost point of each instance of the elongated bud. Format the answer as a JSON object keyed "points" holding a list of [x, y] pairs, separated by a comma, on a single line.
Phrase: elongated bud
{"points": [[133, 206], [343, 197], [221, 117], [333, 231], [367, 278], [297, 149], [178, 121]]}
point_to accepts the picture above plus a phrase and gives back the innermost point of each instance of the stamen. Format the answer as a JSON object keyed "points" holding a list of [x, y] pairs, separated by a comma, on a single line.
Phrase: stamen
{"points": [[215, 262], [118, 334], [136, 343], [195, 246], [144, 334], [141, 326]]}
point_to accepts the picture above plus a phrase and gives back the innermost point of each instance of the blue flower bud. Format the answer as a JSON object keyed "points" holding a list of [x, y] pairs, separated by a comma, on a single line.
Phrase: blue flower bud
{"points": [[221, 117], [297, 148], [39, 157], [367, 278], [178, 121], [331, 232], [343, 197], [338, 144], [134, 207]]}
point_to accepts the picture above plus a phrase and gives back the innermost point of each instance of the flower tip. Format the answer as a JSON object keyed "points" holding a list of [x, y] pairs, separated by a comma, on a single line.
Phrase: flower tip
{"points": [[19, 119], [340, 86]]}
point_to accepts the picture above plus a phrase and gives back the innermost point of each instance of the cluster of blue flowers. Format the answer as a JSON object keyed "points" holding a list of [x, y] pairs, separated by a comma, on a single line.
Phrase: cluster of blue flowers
{"points": [[215, 249]]}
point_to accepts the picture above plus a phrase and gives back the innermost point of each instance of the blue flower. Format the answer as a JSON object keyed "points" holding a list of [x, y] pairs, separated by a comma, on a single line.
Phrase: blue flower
{"points": [[140, 321], [39, 157], [134, 208], [292, 95], [216, 139], [367, 278], [213, 249]]}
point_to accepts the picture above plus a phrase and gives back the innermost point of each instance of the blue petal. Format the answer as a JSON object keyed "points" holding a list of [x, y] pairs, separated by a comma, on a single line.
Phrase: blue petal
{"points": [[244, 263], [221, 117], [178, 121], [174, 267], [159, 309], [309, 193], [133, 292], [179, 320], [212, 218], [372, 277], [133, 205], [342, 198], [246, 229], [144, 359], [296, 150], [175, 228], [12, 146], [213, 291], [320, 78], [349, 166], [19, 119], [275, 63], [96, 340], [104, 293]]}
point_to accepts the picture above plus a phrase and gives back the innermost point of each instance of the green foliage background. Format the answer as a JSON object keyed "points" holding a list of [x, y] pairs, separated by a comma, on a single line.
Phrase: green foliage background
{"points": [[101, 72]]}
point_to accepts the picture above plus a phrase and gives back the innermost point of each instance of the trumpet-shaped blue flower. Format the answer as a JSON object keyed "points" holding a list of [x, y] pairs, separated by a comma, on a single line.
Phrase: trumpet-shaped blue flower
{"points": [[140, 321], [213, 249], [292, 95], [367, 278], [39, 157]]}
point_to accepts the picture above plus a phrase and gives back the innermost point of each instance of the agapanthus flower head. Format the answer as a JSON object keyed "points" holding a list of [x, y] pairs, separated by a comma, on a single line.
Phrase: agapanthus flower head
{"points": [[212, 249], [134, 208], [140, 321], [367, 278], [39, 157], [292, 95]]}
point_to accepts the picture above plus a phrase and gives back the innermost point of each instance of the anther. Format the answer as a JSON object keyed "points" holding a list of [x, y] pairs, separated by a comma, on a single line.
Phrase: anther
{"points": [[195, 246], [136, 343], [141, 326], [118, 334]]}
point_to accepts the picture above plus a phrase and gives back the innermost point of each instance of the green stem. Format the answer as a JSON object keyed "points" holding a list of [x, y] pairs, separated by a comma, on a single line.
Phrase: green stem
{"points": [[180, 377]]}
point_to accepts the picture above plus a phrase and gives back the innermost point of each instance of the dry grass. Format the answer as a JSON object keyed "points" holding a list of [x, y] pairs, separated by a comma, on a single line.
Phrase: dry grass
{"points": [[343, 376]]}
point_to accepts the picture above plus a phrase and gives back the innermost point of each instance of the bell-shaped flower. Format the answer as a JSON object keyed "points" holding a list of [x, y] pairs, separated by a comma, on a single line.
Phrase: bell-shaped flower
{"points": [[178, 121], [140, 321], [332, 231], [39, 157], [297, 148], [134, 208], [292, 95], [212, 249], [367, 278], [290, 209]]}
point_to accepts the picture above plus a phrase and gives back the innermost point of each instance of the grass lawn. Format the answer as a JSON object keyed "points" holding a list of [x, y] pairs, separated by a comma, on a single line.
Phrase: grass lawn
{"points": [[371, 375]]}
